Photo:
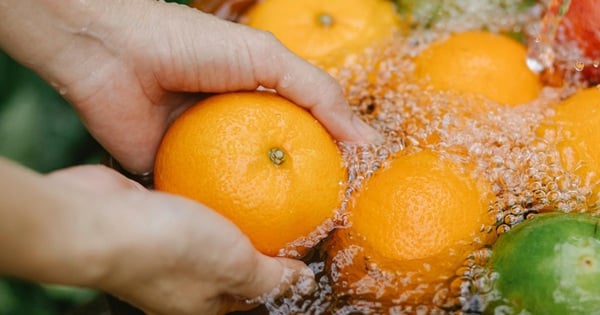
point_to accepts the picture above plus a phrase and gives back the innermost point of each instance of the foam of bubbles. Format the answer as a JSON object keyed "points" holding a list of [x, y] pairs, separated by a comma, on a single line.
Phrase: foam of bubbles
{"points": [[522, 166]]}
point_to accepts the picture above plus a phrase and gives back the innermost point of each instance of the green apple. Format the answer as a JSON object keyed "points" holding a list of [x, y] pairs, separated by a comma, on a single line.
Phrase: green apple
{"points": [[549, 265]]}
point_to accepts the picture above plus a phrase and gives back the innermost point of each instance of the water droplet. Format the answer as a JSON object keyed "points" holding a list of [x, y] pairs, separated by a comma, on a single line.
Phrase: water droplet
{"points": [[540, 56], [63, 91], [534, 64], [502, 228], [596, 63], [579, 65]]}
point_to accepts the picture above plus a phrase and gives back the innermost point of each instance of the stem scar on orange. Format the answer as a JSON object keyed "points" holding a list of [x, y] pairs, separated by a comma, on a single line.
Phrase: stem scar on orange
{"points": [[325, 31], [261, 161]]}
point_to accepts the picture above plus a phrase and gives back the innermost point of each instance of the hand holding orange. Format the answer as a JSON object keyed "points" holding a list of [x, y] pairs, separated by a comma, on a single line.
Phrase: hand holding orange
{"points": [[259, 160]]}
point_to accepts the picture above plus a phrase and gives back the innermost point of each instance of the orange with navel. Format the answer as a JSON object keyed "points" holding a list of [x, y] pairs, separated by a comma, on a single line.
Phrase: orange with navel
{"points": [[259, 160], [479, 63], [411, 227], [325, 31]]}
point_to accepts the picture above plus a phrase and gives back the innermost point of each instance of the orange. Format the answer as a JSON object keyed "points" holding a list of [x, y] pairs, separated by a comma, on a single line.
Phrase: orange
{"points": [[325, 31], [259, 160], [479, 63], [415, 223], [577, 122]]}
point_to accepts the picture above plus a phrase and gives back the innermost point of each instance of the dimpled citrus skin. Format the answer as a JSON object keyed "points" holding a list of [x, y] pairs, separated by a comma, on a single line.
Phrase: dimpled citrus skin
{"points": [[317, 29], [577, 122], [482, 63], [217, 153], [420, 217], [428, 208]]}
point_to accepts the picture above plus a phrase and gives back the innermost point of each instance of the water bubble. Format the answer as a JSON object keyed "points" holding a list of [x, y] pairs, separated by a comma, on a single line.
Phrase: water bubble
{"points": [[523, 168], [534, 64], [579, 65], [512, 219], [529, 215], [502, 228], [540, 57], [596, 63]]}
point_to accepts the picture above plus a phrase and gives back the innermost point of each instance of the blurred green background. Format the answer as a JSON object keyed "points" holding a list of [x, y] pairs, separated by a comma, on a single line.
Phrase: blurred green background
{"points": [[40, 130]]}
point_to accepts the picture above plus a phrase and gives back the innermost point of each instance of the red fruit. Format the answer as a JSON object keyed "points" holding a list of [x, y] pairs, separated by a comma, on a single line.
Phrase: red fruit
{"points": [[581, 24]]}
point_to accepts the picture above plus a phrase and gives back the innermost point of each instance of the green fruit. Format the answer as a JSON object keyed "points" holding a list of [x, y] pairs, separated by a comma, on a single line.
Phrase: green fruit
{"points": [[549, 265], [442, 13]]}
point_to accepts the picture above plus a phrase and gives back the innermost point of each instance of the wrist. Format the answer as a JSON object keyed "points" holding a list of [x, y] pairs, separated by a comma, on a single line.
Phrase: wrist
{"points": [[53, 232]]}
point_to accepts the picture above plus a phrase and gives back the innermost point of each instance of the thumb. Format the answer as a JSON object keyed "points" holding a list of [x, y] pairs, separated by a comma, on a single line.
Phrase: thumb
{"points": [[310, 87], [271, 278], [97, 178]]}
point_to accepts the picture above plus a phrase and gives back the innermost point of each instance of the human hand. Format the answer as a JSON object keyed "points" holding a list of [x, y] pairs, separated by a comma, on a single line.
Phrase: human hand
{"points": [[163, 254], [131, 67]]}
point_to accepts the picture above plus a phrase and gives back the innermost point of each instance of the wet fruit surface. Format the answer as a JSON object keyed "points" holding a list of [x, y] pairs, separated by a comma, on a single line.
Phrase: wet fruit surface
{"points": [[581, 24], [416, 222], [259, 160], [479, 62], [325, 31], [499, 139], [549, 265]]}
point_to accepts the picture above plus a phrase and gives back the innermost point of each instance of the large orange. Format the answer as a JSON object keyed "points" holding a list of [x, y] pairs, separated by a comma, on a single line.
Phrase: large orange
{"points": [[259, 160], [481, 63], [325, 31], [415, 223], [577, 126]]}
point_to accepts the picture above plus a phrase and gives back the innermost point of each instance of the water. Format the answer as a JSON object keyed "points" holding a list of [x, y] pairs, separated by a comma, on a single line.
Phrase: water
{"points": [[522, 166], [541, 55]]}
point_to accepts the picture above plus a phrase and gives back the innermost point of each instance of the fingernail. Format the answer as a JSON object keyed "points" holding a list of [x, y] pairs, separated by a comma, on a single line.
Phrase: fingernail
{"points": [[366, 131]]}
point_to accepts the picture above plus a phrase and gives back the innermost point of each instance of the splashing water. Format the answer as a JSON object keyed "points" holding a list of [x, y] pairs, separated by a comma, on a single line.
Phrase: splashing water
{"points": [[523, 167], [541, 54]]}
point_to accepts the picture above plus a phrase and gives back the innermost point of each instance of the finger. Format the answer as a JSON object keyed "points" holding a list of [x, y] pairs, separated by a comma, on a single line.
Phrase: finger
{"points": [[97, 178], [312, 88], [273, 277], [250, 58]]}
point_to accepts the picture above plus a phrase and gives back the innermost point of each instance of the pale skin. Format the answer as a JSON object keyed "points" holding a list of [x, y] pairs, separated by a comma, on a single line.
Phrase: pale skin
{"points": [[129, 67]]}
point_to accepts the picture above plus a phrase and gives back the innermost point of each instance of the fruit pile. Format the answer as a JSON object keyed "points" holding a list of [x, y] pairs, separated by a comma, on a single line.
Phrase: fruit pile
{"points": [[483, 197]]}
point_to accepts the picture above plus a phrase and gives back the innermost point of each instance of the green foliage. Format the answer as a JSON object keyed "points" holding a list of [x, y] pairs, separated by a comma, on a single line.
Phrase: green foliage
{"points": [[37, 126], [39, 130], [19, 297], [437, 13]]}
